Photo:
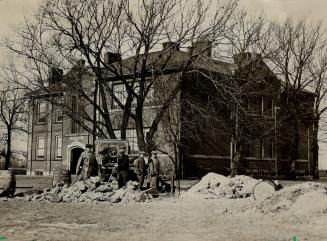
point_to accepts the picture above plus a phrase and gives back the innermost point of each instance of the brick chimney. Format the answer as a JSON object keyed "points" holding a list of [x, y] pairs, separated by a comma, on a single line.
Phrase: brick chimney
{"points": [[55, 75], [111, 57], [203, 47]]}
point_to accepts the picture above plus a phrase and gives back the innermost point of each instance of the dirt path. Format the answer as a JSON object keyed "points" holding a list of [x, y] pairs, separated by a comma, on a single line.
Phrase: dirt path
{"points": [[165, 220]]}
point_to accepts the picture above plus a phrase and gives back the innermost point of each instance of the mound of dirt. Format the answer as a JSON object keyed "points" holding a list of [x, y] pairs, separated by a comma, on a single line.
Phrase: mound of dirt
{"points": [[91, 190], [214, 185], [305, 199]]}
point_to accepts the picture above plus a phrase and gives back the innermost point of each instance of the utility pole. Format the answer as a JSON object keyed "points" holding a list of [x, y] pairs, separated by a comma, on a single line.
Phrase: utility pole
{"points": [[95, 99]]}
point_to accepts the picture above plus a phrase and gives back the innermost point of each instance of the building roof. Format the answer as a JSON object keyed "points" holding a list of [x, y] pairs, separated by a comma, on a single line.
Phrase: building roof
{"points": [[54, 89], [304, 91], [174, 60], [156, 61]]}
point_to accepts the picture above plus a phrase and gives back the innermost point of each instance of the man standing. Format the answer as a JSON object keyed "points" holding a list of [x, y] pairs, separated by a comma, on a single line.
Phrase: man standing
{"points": [[122, 169], [139, 165], [154, 169], [86, 165]]}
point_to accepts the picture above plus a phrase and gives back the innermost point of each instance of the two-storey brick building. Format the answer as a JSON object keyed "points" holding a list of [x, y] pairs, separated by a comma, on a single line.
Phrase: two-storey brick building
{"points": [[55, 140]]}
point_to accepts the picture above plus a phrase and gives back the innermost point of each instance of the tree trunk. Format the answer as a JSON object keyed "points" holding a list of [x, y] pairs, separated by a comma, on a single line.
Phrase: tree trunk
{"points": [[237, 152], [294, 148], [125, 118], [143, 146], [8, 152], [315, 151], [237, 159], [177, 166]]}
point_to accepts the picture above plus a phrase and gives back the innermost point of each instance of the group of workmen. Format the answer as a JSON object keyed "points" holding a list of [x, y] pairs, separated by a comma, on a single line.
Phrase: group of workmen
{"points": [[144, 167]]}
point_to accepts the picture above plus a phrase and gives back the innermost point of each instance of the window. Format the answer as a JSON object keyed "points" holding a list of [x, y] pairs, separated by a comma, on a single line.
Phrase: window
{"points": [[40, 147], [58, 147], [150, 96], [120, 92], [268, 148], [59, 111], [267, 106], [131, 137], [254, 105], [42, 108], [254, 150]]}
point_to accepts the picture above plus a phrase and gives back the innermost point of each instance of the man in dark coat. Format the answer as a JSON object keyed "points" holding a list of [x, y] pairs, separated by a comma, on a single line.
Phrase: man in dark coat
{"points": [[154, 169], [122, 169], [87, 164], [140, 169]]}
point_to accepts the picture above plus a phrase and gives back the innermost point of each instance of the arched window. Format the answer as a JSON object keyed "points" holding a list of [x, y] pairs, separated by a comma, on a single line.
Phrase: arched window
{"points": [[42, 108], [59, 110]]}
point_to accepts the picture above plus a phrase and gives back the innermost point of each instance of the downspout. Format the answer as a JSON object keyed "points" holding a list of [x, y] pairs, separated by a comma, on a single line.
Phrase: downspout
{"points": [[51, 120], [28, 136], [95, 99], [32, 135]]}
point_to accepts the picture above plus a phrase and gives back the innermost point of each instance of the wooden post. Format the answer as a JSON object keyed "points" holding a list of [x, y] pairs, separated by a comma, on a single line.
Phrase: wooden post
{"points": [[172, 189]]}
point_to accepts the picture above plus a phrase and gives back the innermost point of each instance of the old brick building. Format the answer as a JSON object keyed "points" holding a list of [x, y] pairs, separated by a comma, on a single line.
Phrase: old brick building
{"points": [[55, 140]]}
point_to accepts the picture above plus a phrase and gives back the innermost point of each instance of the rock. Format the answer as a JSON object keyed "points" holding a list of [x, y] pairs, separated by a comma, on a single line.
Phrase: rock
{"points": [[55, 190], [103, 188], [95, 180], [48, 189], [3, 199], [81, 187], [91, 190], [34, 198]]}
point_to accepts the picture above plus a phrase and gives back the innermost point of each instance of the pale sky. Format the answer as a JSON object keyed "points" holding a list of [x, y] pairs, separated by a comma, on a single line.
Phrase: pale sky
{"points": [[13, 11]]}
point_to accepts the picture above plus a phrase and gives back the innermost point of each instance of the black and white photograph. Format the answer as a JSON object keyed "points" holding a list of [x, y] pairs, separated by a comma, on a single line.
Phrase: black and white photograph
{"points": [[165, 120]]}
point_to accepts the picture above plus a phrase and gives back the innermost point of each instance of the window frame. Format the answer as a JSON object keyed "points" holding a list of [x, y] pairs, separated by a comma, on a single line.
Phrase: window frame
{"points": [[132, 139], [39, 157], [59, 110], [114, 104], [39, 119], [56, 150]]}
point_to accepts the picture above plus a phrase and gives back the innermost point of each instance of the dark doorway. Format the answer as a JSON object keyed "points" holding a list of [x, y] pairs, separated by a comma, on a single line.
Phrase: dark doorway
{"points": [[74, 156]]}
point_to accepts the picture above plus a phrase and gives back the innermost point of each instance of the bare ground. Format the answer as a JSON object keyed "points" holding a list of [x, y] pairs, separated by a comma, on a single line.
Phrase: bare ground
{"points": [[160, 220]]}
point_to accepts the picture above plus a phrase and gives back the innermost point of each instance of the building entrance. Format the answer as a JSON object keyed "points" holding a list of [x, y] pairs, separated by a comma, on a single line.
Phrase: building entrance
{"points": [[74, 156]]}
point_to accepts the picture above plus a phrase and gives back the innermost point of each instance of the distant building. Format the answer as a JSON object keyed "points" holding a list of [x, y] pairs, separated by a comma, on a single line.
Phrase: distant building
{"points": [[55, 140]]}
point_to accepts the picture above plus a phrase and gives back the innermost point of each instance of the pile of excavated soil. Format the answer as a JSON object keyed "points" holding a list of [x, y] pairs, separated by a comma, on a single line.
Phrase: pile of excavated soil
{"points": [[305, 199], [214, 185], [90, 190]]}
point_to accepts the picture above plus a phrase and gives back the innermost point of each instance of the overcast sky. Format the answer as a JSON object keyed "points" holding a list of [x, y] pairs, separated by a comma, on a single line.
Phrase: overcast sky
{"points": [[13, 11]]}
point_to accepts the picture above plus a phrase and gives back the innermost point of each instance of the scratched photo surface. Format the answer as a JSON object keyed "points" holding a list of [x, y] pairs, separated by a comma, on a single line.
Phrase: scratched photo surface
{"points": [[165, 120]]}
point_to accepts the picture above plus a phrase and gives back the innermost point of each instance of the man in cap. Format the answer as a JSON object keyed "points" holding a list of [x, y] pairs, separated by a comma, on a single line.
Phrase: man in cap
{"points": [[154, 169], [123, 167], [140, 169], [86, 165]]}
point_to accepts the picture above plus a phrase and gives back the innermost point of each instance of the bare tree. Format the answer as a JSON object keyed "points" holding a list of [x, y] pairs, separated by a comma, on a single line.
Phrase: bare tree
{"points": [[64, 31], [12, 106], [294, 47], [318, 69], [249, 80]]}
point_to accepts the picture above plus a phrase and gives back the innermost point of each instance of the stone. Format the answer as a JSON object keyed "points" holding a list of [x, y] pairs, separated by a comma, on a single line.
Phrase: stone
{"points": [[95, 180], [55, 190], [81, 187], [103, 188]]}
